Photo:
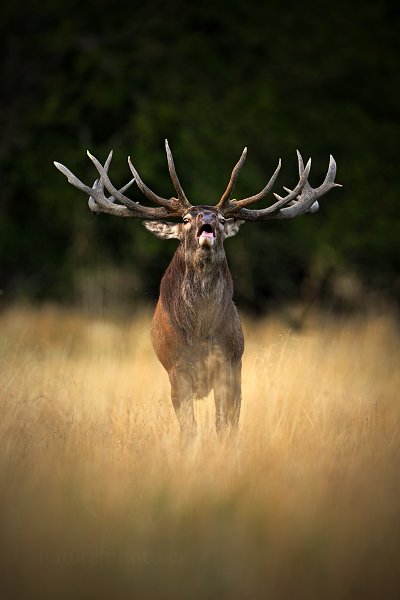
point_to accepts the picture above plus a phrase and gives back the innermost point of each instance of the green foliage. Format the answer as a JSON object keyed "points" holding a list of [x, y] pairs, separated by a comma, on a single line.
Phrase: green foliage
{"points": [[213, 78]]}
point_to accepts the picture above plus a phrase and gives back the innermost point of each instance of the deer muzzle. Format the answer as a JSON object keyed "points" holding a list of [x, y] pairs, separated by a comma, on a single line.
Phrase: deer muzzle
{"points": [[206, 230]]}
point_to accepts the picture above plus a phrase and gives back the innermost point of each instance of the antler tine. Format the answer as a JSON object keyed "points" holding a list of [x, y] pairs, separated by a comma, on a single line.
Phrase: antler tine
{"points": [[106, 167], [264, 192], [232, 182], [177, 185], [303, 174], [147, 191], [103, 204], [300, 162], [108, 161], [72, 179]]}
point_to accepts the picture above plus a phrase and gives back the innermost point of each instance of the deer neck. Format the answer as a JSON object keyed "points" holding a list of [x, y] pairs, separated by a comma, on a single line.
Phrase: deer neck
{"points": [[196, 289], [204, 274]]}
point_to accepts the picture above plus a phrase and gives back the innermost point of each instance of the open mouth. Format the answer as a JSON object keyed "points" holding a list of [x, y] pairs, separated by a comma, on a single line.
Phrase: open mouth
{"points": [[206, 235]]}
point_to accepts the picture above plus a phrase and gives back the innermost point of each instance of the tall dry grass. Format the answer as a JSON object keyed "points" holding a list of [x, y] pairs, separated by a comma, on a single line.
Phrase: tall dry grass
{"points": [[98, 500]]}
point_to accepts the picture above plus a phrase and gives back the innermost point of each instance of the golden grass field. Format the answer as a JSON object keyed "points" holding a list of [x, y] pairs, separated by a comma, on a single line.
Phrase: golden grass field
{"points": [[98, 500]]}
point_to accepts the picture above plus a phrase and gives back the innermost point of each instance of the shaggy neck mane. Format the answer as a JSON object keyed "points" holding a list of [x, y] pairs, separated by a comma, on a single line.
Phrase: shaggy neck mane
{"points": [[195, 290]]}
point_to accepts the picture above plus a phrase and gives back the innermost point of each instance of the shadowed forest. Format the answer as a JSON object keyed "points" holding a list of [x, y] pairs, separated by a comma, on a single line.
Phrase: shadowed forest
{"points": [[212, 78], [97, 497]]}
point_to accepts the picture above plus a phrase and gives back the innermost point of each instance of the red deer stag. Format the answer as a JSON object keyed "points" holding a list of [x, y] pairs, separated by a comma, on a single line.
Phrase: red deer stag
{"points": [[196, 331]]}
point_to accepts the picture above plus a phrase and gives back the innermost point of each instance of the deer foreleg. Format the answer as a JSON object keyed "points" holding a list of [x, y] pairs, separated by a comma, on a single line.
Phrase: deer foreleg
{"points": [[227, 395], [182, 400]]}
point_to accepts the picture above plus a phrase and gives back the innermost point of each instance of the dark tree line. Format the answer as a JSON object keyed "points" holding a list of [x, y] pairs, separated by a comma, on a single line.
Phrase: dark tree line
{"points": [[213, 78]]}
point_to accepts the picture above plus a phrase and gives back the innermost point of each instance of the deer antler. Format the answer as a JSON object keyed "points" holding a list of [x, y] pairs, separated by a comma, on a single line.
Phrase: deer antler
{"points": [[178, 188], [224, 202], [98, 202], [302, 199]]}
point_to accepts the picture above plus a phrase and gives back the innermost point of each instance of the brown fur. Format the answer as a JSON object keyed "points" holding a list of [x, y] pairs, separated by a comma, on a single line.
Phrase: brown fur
{"points": [[196, 331]]}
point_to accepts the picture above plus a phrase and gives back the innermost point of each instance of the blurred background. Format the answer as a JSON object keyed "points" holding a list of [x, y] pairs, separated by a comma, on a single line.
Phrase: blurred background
{"points": [[212, 77], [97, 498]]}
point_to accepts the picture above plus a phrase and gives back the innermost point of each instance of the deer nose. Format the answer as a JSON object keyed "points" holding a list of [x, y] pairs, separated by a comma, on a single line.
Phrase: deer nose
{"points": [[206, 218]]}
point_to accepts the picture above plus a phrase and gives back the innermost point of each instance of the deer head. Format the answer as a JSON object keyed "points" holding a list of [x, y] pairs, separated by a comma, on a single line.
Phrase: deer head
{"points": [[203, 229]]}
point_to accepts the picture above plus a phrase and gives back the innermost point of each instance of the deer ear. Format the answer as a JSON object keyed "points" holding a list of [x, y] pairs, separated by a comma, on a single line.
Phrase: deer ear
{"points": [[231, 227], [163, 229]]}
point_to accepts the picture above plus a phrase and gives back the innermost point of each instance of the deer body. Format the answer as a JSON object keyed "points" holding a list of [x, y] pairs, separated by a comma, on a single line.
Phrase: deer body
{"points": [[196, 331]]}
